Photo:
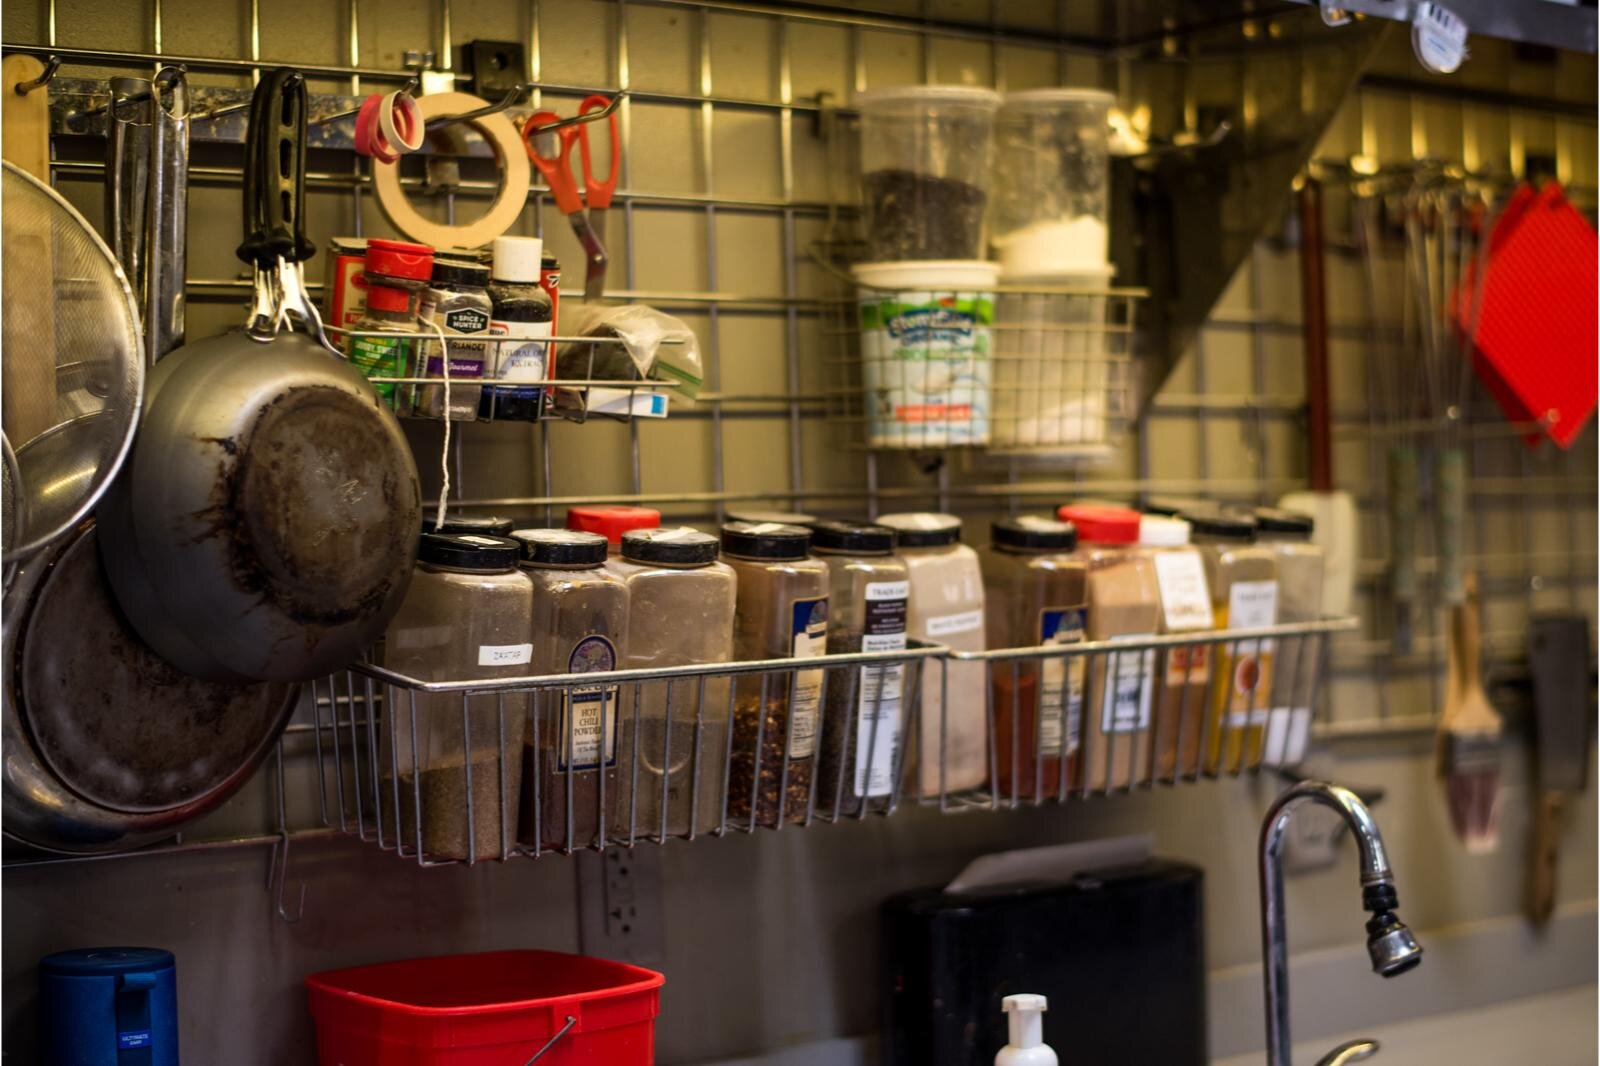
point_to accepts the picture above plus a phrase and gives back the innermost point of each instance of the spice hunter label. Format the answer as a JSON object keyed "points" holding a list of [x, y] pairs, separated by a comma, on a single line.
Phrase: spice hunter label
{"points": [[882, 688], [1061, 681], [588, 715], [925, 360], [1244, 668], [808, 632], [1129, 686]]}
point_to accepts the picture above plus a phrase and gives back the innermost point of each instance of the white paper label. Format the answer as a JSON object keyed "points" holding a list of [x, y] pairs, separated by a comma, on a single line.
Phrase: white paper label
{"points": [[1252, 604], [883, 628], [588, 715], [1185, 600], [519, 362], [808, 631], [504, 654], [1061, 681], [1129, 686], [945, 625]]}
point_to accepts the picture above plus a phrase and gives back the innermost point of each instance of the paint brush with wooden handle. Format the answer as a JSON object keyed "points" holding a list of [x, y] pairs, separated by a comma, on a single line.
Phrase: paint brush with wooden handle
{"points": [[1470, 734]]}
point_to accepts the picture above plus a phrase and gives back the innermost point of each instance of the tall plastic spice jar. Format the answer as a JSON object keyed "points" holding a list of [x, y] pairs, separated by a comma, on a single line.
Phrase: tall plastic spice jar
{"points": [[863, 718], [1036, 593], [1185, 608], [580, 625], [1124, 606], [674, 732], [1301, 563], [1244, 595], [396, 273], [521, 320], [466, 616], [945, 607], [612, 521], [457, 302], [782, 613]]}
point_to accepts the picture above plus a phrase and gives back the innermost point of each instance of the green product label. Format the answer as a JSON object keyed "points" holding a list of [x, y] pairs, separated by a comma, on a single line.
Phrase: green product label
{"points": [[945, 320], [379, 357]]}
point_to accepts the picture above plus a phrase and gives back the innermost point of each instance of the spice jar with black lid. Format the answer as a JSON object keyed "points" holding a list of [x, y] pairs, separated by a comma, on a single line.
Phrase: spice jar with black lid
{"points": [[674, 732], [864, 709], [580, 623], [782, 613]]}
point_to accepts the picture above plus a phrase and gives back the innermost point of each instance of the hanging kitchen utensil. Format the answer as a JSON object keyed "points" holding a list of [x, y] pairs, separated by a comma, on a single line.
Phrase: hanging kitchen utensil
{"points": [[128, 177], [74, 358], [1558, 659], [265, 528], [107, 745]]}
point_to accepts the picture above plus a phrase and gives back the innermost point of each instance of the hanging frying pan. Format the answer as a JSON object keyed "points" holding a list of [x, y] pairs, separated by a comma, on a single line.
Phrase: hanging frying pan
{"points": [[264, 527]]}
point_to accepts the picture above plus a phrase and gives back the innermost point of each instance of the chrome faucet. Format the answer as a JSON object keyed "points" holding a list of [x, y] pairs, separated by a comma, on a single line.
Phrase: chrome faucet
{"points": [[1390, 944]]}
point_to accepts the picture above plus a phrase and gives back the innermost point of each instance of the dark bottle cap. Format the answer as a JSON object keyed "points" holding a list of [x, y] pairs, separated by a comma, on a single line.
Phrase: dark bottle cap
{"points": [[923, 529], [561, 547], [853, 537], [1030, 533], [1171, 506], [680, 546], [1276, 520], [766, 540], [455, 522], [469, 551], [460, 273], [1223, 525], [784, 518]]}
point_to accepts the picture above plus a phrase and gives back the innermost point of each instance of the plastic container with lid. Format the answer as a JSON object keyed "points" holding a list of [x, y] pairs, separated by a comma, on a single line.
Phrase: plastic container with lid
{"points": [[1124, 605], [1185, 608], [945, 607], [396, 273], [611, 521], [925, 345], [926, 153], [457, 302], [466, 616], [523, 314], [1243, 578], [1052, 183], [108, 1006], [1301, 571], [456, 522], [580, 625], [759, 515], [782, 613], [863, 721], [675, 737], [1036, 590]]}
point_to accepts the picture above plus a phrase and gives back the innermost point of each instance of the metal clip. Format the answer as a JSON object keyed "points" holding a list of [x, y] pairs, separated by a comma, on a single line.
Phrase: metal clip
{"points": [[51, 65]]}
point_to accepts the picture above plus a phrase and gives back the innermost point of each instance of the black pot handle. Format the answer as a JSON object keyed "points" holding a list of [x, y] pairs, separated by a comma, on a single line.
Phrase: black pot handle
{"points": [[275, 171]]}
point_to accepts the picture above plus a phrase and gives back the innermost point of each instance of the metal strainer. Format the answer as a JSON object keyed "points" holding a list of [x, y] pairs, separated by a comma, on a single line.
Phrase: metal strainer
{"points": [[74, 364]]}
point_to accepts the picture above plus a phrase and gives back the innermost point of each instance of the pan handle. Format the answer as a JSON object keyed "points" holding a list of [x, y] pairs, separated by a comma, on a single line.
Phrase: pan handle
{"points": [[275, 172]]}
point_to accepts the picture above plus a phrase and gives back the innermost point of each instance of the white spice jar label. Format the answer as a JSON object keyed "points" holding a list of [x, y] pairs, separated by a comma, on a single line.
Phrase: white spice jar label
{"points": [[808, 631], [882, 688], [1061, 682], [504, 654], [588, 724], [1130, 684], [1185, 600], [946, 625], [1251, 605]]}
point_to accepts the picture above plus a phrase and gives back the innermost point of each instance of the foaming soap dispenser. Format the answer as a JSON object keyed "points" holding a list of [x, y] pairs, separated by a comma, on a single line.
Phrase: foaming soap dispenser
{"points": [[1025, 1016]]}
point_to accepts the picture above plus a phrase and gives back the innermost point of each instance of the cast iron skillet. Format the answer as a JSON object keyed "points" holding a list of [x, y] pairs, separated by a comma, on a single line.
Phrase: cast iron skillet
{"points": [[265, 524]]}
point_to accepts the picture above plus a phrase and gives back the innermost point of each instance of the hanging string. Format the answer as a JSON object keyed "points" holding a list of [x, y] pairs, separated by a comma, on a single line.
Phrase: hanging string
{"points": [[444, 451]]}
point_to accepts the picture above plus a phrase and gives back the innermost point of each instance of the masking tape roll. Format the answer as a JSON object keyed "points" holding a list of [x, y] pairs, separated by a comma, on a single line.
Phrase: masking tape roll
{"points": [[401, 122], [509, 155]]}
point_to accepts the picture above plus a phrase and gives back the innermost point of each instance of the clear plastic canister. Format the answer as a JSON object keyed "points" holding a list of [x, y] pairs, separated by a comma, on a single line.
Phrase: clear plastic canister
{"points": [[1049, 208], [926, 153]]}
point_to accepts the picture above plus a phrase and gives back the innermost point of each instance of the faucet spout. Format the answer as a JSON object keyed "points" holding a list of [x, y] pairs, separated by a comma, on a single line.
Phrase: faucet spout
{"points": [[1392, 947]]}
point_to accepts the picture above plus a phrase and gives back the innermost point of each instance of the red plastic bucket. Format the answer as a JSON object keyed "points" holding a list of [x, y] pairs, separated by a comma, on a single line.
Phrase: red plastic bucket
{"points": [[495, 1009]]}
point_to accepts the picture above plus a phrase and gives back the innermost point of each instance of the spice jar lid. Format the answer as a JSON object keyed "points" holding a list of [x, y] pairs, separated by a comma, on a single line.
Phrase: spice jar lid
{"points": [[1224, 525], [455, 522], [561, 547], [923, 529], [766, 540], [1160, 531], [1277, 520], [612, 522], [861, 537], [679, 546], [1101, 523], [782, 518], [516, 259], [399, 259], [469, 551], [1172, 506], [466, 272], [1032, 533]]}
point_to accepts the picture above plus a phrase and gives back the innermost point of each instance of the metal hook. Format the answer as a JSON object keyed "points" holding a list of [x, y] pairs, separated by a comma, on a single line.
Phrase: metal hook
{"points": [[592, 116], [409, 88], [537, 1055], [278, 875], [509, 99], [51, 65]]}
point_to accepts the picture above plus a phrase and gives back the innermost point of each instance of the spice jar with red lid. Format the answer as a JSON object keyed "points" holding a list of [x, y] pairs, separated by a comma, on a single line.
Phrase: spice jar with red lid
{"points": [[396, 273]]}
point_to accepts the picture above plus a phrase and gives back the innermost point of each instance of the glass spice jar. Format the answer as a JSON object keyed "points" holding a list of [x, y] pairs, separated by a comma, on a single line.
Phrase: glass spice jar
{"points": [[863, 710], [457, 302], [782, 613], [396, 273], [465, 617], [1036, 592], [674, 733], [580, 623]]}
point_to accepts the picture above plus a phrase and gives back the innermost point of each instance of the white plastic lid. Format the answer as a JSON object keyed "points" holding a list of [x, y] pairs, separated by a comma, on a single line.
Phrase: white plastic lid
{"points": [[1047, 97], [1079, 277], [1159, 531], [933, 95], [517, 258], [1026, 1027], [928, 274]]}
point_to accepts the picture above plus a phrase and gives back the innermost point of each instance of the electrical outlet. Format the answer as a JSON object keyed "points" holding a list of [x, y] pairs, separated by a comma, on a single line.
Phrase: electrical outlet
{"points": [[619, 904]]}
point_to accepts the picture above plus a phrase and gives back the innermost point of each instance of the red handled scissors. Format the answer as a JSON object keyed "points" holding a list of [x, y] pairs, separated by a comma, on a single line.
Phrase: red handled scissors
{"points": [[590, 226]]}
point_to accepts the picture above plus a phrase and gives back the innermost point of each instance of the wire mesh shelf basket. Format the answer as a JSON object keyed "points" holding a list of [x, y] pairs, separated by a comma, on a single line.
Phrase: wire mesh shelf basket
{"points": [[462, 771]]}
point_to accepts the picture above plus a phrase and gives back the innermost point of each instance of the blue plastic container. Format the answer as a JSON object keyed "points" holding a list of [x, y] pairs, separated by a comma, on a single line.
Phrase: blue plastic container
{"points": [[108, 1007]]}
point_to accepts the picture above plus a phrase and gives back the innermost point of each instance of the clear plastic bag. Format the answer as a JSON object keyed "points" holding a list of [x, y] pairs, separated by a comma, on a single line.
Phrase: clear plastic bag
{"points": [[655, 346]]}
